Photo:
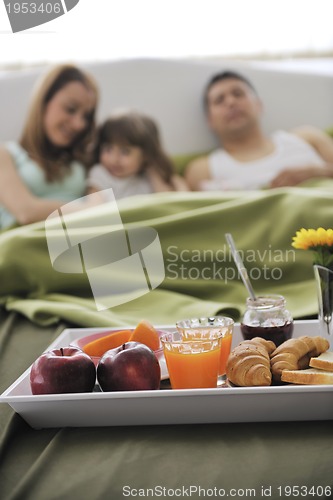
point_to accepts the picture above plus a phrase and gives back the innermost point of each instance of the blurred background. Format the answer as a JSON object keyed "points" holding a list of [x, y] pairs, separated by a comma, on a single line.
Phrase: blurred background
{"points": [[295, 33]]}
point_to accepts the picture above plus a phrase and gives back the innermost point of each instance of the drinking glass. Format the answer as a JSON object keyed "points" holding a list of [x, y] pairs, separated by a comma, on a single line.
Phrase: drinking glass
{"points": [[208, 328], [192, 364]]}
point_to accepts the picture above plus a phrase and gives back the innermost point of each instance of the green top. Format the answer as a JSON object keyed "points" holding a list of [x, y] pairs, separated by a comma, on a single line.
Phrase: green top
{"points": [[70, 187]]}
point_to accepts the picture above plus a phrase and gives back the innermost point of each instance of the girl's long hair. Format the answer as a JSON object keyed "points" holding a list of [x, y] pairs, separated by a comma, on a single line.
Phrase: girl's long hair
{"points": [[135, 129], [53, 160]]}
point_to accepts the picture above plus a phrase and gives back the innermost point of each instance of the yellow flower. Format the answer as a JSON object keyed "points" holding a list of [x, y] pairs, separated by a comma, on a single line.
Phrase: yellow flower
{"points": [[311, 238], [320, 241]]}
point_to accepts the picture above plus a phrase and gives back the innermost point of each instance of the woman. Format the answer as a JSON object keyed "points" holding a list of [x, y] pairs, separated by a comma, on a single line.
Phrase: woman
{"points": [[47, 167]]}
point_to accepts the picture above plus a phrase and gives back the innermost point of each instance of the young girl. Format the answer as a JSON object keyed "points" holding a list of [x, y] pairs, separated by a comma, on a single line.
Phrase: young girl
{"points": [[131, 159]]}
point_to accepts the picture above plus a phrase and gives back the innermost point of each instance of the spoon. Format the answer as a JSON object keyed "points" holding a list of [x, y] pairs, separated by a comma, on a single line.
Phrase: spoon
{"points": [[240, 266]]}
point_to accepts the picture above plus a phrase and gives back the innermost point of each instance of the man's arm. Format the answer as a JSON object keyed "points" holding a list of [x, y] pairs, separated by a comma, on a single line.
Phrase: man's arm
{"points": [[319, 140], [196, 172], [323, 144]]}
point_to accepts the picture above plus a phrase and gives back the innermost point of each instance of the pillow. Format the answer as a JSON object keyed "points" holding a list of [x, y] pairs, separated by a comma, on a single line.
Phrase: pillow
{"points": [[329, 131], [181, 161]]}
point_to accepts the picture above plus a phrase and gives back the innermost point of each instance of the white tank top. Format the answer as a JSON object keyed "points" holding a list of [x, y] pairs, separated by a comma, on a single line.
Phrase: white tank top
{"points": [[290, 152]]}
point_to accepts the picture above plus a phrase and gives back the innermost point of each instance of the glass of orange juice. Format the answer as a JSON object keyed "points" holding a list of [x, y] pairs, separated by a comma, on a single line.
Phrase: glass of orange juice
{"points": [[210, 327], [192, 364]]}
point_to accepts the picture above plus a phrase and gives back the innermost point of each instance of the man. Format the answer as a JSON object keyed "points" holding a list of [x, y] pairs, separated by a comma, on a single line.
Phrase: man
{"points": [[248, 159]]}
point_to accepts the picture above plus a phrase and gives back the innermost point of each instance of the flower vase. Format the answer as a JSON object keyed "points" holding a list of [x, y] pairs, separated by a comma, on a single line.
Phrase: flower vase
{"points": [[324, 283]]}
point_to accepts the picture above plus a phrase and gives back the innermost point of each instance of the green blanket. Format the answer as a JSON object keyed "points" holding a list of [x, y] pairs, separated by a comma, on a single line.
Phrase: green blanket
{"points": [[200, 275]]}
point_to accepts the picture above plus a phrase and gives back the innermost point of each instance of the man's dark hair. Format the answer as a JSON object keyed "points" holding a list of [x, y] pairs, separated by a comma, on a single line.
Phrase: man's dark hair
{"points": [[225, 75]]}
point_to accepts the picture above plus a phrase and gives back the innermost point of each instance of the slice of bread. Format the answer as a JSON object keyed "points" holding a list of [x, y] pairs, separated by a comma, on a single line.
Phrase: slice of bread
{"points": [[311, 376], [323, 362]]}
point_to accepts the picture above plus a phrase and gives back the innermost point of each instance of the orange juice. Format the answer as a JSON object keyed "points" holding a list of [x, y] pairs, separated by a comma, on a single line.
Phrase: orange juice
{"points": [[191, 368], [209, 328]]}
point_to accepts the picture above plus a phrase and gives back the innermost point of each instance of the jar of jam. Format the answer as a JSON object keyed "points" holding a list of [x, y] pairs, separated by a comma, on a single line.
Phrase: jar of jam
{"points": [[267, 317]]}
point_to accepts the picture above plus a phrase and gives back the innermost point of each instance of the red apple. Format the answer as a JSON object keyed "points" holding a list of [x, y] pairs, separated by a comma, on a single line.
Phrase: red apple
{"points": [[63, 370], [130, 367]]}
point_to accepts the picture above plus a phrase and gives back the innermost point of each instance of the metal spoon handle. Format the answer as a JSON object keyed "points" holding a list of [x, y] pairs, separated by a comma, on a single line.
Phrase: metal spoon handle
{"points": [[240, 266]]}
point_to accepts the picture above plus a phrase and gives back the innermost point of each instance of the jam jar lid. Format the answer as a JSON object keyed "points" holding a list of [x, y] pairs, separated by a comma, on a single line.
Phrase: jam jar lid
{"points": [[265, 302]]}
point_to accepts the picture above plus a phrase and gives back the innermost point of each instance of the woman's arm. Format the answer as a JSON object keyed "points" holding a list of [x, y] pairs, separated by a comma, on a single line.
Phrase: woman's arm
{"points": [[22, 204]]}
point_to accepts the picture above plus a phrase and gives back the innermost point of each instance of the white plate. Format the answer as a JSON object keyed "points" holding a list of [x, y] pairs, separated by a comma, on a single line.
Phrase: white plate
{"points": [[232, 404]]}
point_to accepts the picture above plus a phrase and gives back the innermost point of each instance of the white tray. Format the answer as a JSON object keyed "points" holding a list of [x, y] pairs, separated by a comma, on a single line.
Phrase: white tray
{"points": [[232, 404]]}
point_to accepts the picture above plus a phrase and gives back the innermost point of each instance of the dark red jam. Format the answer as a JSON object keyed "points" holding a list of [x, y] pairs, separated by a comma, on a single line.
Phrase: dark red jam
{"points": [[278, 334]]}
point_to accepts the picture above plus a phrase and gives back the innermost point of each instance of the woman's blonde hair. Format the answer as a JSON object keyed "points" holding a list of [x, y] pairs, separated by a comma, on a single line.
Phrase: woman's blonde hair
{"points": [[135, 129], [55, 161]]}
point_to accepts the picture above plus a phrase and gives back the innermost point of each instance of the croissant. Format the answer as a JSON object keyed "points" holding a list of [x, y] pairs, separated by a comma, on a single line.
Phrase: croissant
{"points": [[249, 363], [295, 354]]}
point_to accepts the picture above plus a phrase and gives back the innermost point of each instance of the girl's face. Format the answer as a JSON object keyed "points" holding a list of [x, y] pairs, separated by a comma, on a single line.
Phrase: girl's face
{"points": [[67, 114], [122, 160]]}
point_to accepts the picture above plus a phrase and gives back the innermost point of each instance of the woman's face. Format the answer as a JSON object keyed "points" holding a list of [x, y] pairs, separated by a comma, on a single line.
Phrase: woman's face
{"points": [[122, 160], [67, 114]]}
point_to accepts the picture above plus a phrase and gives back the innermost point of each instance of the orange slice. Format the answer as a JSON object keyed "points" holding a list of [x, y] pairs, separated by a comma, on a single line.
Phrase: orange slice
{"points": [[146, 334], [100, 346]]}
